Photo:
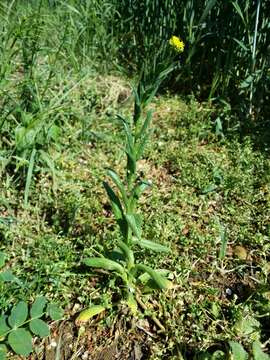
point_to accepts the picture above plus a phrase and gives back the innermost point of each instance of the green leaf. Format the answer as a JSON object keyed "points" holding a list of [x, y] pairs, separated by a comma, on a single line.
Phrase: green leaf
{"points": [[151, 245], [18, 314], [55, 312], [115, 178], [224, 242], [115, 202], [39, 327], [7, 276], [209, 188], [2, 259], [38, 306], [248, 326], [54, 132], [105, 264], [87, 314], [134, 222], [237, 350], [3, 352], [146, 124], [141, 146], [139, 189], [3, 325], [160, 281], [131, 162], [20, 341], [127, 252], [258, 353], [209, 5]]}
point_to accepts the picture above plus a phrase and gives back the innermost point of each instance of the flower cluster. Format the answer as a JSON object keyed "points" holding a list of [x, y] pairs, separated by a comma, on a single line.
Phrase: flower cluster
{"points": [[177, 44]]}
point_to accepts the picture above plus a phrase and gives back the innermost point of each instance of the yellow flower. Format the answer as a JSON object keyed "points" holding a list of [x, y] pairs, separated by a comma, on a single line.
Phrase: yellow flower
{"points": [[177, 44]]}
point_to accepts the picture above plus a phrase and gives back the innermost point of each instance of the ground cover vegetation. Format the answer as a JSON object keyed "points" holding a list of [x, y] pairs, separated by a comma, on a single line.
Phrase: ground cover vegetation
{"points": [[134, 179]]}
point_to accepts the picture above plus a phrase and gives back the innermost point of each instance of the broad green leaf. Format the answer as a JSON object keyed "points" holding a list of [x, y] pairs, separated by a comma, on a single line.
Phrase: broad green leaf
{"points": [[160, 281], [3, 352], [237, 350], [38, 306], [105, 264], [3, 325], [87, 314], [151, 245], [55, 312], [18, 314], [248, 326], [2, 259], [39, 327], [115, 178], [7, 276], [115, 202], [258, 353], [20, 341]]}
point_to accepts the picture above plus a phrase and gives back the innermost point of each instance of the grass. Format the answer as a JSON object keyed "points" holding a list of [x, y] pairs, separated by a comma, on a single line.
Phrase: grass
{"points": [[202, 183]]}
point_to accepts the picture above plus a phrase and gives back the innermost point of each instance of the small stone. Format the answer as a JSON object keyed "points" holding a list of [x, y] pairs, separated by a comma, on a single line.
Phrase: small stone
{"points": [[228, 292], [53, 343]]}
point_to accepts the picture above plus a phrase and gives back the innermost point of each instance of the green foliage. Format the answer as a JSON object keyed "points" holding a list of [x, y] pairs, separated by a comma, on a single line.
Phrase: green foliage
{"points": [[226, 45], [20, 324]]}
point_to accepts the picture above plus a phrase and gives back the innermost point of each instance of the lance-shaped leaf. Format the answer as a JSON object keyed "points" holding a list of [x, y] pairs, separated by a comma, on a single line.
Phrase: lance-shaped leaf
{"points": [[140, 188], [115, 202], [134, 221], [130, 139], [141, 146], [136, 193], [106, 264], [151, 245], [115, 178], [131, 162], [87, 314], [127, 252], [146, 124], [160, 281]]}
